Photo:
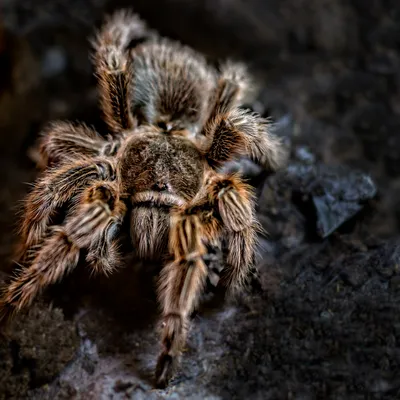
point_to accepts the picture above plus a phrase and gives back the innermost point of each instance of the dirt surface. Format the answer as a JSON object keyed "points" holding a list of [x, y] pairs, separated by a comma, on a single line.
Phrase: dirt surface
{"points": [[322, 320]]}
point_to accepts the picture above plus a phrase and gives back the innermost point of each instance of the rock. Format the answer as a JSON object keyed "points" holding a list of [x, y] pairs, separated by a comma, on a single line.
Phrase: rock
{"points": [[334, 193]]}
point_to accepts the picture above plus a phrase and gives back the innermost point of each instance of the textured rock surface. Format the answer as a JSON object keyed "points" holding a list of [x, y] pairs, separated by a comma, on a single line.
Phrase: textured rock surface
{"points": [[323, 320]]}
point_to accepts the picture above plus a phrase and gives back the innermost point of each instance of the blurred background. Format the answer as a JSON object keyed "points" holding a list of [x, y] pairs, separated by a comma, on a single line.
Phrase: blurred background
{"points": [[323, 321]]}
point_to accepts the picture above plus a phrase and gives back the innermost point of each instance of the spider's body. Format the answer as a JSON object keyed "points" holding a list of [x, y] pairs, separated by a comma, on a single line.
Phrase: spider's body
{"points": [[161, 171], [173, 121], [163, 163]]}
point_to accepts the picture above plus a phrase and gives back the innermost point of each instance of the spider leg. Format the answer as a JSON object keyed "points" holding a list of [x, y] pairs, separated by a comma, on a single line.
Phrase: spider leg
{"points": [[233, 86], [224, 207], [241, 133], [103, 253], [235, 204], [181, 283], [113, 67], [58, 255], [63, 141], [55, 189]]}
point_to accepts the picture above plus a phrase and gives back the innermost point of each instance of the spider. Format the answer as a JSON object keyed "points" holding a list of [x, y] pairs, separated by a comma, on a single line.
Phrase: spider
{"points": [[173, 121]]}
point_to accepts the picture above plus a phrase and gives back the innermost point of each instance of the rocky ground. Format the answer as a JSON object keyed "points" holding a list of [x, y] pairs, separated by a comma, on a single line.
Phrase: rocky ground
{"points": [[323, 319]]}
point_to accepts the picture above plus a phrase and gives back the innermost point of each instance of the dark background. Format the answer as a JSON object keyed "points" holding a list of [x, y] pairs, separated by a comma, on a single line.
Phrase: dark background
{"points": [[323, 322]]}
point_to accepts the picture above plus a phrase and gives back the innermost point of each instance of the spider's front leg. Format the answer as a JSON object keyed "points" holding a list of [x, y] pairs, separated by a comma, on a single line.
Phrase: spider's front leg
{"points": [[234, 201], [97, 213], [225, 207], [234, 84], [181, 283], [114, 69], [232, 132], [242, 133], [55, 189]]}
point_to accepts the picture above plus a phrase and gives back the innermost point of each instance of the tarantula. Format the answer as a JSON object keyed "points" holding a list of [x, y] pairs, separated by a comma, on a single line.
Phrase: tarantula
{"points": [[173, 121]]}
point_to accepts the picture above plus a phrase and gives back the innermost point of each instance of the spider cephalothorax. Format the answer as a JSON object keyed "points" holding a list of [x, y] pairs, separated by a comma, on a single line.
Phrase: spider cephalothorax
{"points": [[173, 121]]}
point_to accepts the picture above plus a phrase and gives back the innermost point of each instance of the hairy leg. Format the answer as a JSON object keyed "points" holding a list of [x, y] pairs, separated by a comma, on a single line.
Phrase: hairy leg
{"points": [[236, 208], [55, 189], [59, 253], [103, 252], [181, 283], [113, 67], [233, 86], [63, 141], [241, 133], [225, 206]]}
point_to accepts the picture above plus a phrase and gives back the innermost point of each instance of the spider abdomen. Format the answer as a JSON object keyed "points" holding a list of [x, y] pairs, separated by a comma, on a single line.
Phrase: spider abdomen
{"points": [[172, 84]]}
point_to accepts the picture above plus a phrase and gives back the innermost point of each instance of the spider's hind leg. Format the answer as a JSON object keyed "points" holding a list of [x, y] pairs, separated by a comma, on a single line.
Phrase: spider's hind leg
{"points": [[113, 67]]}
